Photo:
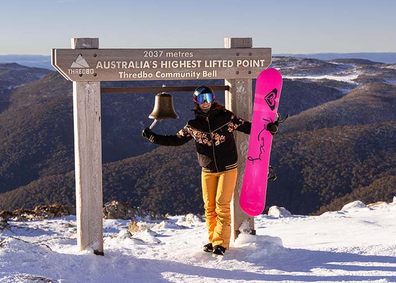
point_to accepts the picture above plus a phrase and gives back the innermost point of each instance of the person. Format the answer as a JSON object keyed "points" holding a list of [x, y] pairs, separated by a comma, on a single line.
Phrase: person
{"points": [[213, 131]]}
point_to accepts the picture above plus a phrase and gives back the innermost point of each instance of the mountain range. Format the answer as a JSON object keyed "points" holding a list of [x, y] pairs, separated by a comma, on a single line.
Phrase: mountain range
{"points": [[338, 144], [37, 61], [383, 57], [44, 61]]}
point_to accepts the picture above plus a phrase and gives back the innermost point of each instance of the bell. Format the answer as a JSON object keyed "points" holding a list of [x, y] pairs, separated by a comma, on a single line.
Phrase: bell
{"points": [[163, 108]]}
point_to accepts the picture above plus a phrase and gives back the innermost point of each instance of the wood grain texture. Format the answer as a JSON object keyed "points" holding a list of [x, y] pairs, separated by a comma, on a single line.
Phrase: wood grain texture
{"points": [[240, 101], [88, 159]]}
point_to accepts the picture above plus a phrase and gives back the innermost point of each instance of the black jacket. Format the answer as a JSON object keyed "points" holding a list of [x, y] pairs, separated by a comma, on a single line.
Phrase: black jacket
{"points": [[213, 133]]}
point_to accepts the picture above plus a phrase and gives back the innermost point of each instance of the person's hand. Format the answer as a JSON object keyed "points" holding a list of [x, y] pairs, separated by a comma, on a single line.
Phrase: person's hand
{"points": [[147, 133], [273, 127]]}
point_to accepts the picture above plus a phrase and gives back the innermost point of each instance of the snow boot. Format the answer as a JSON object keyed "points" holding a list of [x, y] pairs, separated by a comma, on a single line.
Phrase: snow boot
{"points": [[208, 248], [219, 250]]}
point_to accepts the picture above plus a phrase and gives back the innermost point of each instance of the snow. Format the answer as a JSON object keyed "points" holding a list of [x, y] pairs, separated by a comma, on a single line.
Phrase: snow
{"points": [[353, 205], [342, 77], [356, 244], [277, 211], [390, 66]]}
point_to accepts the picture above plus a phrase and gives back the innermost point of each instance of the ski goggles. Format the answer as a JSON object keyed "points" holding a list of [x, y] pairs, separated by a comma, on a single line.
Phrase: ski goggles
{"points": [[208, 97]]}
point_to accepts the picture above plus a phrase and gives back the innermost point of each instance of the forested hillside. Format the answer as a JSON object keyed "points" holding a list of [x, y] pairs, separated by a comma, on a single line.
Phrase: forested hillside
{"points": [[338, 144]]}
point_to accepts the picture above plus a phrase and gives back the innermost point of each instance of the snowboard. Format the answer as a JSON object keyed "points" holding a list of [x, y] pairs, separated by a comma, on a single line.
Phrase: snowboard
{"points": [[266, 100]]}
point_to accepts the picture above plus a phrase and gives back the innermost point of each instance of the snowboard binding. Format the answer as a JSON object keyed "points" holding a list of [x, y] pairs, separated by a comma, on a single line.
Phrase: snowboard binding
{"points": [[272, 174], [278, 118], [271, 171], [272, 127]]}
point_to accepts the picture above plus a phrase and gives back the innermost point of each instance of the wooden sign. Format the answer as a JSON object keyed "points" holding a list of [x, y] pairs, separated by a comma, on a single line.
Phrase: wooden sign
{"points": [[95, 65]]}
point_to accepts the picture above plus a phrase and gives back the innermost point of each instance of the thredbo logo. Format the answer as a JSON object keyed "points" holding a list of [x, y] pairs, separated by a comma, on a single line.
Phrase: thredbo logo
{"points": [[80, 67], [80, 62], [270, 98]]}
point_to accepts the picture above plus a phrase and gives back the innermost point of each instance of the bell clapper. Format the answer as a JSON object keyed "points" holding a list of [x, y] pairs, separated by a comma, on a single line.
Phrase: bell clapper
{"points": [[153, 124]]}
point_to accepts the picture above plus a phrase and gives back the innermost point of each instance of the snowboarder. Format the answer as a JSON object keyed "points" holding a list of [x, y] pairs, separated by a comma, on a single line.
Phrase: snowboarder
{"points": [[213, 131]]}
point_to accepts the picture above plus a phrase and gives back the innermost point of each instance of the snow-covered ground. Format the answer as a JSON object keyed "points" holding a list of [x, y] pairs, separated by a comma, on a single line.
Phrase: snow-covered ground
{"points": [[357, 244]]}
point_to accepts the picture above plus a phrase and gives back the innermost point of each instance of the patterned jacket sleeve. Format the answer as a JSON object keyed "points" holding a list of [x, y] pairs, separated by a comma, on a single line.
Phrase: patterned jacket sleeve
{"points": [[182, 137], [240, 124]]}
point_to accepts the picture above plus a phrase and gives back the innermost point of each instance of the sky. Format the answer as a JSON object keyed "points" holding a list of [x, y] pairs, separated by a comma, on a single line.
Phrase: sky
{"points": [[286, 26]]}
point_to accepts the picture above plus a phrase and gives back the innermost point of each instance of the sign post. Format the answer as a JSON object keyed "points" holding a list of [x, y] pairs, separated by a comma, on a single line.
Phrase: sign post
{"points": [[88, 157], [239, 100], [87, 65]]}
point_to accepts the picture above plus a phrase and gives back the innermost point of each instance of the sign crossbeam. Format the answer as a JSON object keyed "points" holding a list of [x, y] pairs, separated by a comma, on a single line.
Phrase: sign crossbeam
{"points": [[158, 89]]}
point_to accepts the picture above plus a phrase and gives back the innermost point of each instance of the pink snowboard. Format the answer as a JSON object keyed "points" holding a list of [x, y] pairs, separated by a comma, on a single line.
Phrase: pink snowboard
{"points": [[254, 187]]}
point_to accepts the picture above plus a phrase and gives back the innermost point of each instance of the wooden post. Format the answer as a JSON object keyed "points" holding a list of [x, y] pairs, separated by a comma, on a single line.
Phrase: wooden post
{"points": [[88, 158], [239, 100]]}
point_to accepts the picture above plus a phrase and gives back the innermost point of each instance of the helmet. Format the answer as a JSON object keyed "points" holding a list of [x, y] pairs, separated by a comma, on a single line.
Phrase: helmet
{"points": [[203, 93]]}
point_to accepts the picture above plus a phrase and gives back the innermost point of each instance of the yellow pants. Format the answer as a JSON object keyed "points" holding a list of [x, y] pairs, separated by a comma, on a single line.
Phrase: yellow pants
{"points": [[217, 191]]}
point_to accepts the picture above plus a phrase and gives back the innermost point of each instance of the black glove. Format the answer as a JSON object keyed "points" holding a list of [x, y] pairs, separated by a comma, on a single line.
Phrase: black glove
{"points": [[147, 133], [273, 127]]}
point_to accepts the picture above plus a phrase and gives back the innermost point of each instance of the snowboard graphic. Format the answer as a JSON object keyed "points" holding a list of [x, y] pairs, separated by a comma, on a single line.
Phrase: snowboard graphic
{"points": [[254, 187]]}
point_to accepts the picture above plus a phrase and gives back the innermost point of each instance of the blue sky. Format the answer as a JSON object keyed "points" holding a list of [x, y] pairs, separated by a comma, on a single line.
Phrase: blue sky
{"points": [[287, 26]]}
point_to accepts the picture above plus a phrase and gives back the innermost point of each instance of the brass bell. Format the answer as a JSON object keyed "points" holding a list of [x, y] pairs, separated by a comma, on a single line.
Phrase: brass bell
{"points": [[163, 108]]}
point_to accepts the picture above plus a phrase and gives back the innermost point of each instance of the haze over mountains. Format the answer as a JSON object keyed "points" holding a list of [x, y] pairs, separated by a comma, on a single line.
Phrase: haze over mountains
{"points": [[383, 57], [38, 61], [338, 144], [44, 61]]}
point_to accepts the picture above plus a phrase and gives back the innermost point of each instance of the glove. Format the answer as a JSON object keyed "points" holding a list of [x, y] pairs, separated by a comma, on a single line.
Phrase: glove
{"points": [[273, 128], [148, 134]]}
